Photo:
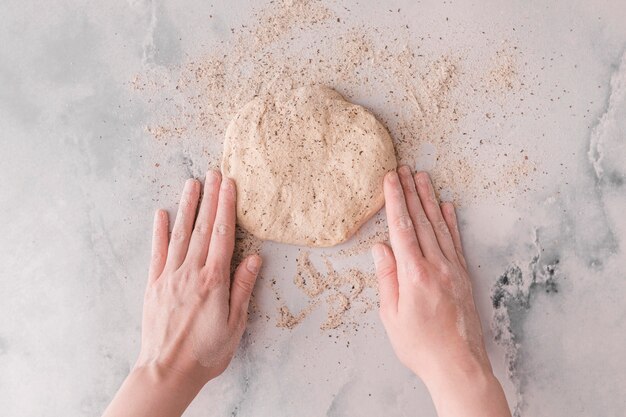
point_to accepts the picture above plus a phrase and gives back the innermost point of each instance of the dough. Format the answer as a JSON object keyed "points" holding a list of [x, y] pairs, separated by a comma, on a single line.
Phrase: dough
{"points": [[308, 165]]}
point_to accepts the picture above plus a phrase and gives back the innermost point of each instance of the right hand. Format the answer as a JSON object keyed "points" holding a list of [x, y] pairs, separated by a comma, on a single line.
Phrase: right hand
{"points": [[426, 301], [426, 298]]}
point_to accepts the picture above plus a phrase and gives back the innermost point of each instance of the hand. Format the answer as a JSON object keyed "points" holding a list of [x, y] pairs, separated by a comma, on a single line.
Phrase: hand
{"points": [[193, 315], [426, 298], [426, 302]]}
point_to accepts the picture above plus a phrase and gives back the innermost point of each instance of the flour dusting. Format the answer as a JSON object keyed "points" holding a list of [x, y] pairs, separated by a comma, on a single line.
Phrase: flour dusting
{"points": [[421, 97]]}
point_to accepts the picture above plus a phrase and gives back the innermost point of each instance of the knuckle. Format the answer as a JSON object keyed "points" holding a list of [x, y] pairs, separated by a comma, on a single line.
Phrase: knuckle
{"points": [[178, 234], [201, 229], [441, 227], [171, 285], [213, 276], [212, 281], [244, 284], [185, 274], [446, 271], [422, 220], [212, 269], [416, 272], [403, 222], [222, 229], [386, 271]]}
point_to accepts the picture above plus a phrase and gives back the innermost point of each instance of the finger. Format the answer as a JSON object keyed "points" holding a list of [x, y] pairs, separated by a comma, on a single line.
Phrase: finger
{"points": [[401, 232], [201, 236], [449, 215], [433, 212], [159, 244], [223, 236], [241, 288], [387, 275], [423, 229], [183, 224]]}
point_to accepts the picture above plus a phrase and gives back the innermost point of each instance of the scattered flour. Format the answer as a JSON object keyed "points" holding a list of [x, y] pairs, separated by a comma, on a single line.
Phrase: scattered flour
{"points": [[292, 43], [339, 291]]}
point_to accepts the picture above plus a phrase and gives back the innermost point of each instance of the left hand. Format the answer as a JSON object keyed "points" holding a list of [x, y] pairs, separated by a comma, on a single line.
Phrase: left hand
{"points": [[193, 315]]}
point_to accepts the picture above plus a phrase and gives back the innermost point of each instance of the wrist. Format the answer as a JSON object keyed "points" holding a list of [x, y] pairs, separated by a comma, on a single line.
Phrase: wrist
{"points": [[152, 389], [455, 376], [467, 388], [451, 362], [159, 375]]}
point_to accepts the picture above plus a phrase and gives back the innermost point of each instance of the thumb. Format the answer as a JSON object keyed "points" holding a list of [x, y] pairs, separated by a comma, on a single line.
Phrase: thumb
{"points": [[387, 275], [241, 288]]}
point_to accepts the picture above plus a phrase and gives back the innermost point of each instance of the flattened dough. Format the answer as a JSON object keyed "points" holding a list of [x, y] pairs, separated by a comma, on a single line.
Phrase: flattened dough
{"points": [[308, 165]]}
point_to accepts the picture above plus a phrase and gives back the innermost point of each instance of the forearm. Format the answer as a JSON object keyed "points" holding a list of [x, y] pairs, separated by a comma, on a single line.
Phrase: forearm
{"points": [[150, 391], [466, 392]]}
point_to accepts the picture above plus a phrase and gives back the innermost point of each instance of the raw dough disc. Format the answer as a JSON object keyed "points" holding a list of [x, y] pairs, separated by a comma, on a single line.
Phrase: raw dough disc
{"points": [[308, 166]]}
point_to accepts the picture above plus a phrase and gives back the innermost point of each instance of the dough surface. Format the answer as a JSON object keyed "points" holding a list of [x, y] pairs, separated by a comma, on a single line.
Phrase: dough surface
{"points": [[308, 165]]}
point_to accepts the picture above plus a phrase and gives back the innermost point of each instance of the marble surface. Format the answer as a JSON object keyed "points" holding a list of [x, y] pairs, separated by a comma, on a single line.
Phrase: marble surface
{"points": [[76, 206]]}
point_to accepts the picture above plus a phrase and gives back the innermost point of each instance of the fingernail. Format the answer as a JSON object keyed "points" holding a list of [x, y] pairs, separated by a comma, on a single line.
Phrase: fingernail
{"points": [[392, 177], [422, 178], [253, 264], [451, 209], [211, 177], [406, 178], [405, 170], [228, 185], [191, 186], [378, 253]]}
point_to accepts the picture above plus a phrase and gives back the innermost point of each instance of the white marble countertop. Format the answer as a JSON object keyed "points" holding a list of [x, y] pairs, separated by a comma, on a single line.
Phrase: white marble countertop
{"points": [[79, 186]]}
